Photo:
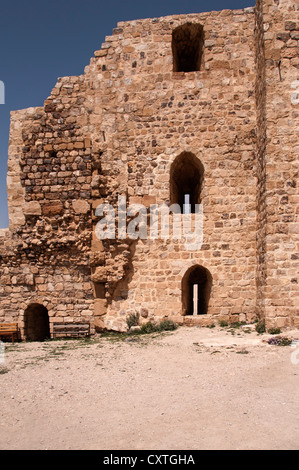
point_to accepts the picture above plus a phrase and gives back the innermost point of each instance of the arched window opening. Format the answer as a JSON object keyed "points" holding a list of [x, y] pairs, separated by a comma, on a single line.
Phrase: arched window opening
{"points": [[196, 291], [187, 47], [186, 177], [36, 320]]}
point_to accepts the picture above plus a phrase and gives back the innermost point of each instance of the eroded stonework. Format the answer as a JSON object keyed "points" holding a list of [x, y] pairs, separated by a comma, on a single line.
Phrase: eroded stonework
{"points": [[213, 92]]}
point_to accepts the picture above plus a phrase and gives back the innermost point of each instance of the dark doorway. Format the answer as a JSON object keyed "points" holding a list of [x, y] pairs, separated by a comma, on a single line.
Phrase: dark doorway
{"points": [[187, 47], [196, 291], [36, 319]]}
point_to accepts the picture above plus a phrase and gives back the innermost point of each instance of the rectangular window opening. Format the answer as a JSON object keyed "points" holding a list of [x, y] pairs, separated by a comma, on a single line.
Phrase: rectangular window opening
{"points": [[187, 205]]}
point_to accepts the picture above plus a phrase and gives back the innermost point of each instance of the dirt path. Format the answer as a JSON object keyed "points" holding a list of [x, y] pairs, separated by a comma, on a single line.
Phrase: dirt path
{"points": [[195, 388]]}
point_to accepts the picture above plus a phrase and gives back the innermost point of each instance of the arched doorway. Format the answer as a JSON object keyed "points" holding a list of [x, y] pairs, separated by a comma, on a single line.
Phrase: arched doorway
{"points": [[196, 290], [186, 178], [36, 320]]}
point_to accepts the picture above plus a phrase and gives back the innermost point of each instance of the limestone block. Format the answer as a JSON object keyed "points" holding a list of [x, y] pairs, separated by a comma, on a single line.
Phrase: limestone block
{"points": [[97, 245], [32, 208], [100, 307], [100, 274], [148, 200], [52, 208], [101, 53], [99, 324], [78, 145], [97, 258], [80, 206], [29, 279]]}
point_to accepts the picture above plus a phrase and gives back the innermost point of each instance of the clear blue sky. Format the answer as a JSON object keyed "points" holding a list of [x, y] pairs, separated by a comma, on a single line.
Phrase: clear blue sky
{"points": [[43, 40]]}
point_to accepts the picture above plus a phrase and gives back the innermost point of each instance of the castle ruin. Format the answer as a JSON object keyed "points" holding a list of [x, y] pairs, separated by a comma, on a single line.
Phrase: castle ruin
{"points": [[204, 106]]}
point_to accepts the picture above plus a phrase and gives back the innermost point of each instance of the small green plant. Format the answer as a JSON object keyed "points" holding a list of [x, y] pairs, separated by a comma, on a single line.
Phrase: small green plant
{"points": [[164, 325], [167, 325], [149, 327], [247, 330], [260, 327], [280, 341], [223, 323], [237, 324], [132, 320], [274, 331]]}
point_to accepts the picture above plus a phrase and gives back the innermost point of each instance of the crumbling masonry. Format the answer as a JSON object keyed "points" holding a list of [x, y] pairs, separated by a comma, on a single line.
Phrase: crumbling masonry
{"points": [[202, 104]]}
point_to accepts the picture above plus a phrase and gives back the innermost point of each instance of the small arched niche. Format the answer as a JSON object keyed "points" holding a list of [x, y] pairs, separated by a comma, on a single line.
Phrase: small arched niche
{"points": [[186, 178], [187, 47], [196, 290], [36, 323]]}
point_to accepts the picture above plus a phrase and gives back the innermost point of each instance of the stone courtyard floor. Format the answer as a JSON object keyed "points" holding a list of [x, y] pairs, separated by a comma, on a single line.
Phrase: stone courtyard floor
{"points": [[191, 389]]}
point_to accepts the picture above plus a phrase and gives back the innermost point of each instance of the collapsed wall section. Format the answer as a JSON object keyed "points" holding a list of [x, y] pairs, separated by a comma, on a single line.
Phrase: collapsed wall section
{"points": [[45, 259]]}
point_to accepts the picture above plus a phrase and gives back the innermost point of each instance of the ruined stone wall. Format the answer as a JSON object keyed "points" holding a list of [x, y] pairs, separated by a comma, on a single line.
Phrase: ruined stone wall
{"points": [[45, 260], [116, 131]]}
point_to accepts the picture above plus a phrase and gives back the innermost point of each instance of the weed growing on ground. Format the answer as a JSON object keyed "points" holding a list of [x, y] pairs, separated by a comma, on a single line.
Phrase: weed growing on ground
{"points": [[260, 327], [132, 320], [146, 329], [164, 325], [274, 331], [280, 341]]}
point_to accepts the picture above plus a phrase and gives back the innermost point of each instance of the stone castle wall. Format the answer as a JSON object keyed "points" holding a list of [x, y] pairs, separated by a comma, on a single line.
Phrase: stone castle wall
{"points": [[118, 131], [281, 25], [154, 116]]}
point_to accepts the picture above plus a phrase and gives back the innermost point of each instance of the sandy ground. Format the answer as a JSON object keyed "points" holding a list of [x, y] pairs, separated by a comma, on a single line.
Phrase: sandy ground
{"points": [[191, 389]]}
